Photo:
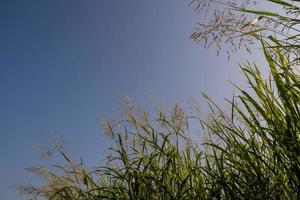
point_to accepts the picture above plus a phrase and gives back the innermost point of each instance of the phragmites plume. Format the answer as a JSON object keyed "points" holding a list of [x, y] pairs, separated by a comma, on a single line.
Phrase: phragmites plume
{"points": [[233, 25], [222, 26], [178, 118]]}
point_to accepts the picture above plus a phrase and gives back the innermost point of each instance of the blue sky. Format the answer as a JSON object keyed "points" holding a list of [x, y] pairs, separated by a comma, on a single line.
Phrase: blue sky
{"points": [[64, 63]]}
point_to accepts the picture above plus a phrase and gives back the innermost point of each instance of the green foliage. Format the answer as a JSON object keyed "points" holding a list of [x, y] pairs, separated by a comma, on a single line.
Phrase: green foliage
{"points": [[251, 153]]}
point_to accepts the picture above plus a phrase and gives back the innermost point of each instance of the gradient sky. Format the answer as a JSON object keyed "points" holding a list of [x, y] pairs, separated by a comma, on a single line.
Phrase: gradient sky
{"points": [[64, 63]]}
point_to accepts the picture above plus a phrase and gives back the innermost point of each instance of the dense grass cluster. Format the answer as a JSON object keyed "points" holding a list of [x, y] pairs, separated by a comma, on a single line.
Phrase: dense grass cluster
{"points": [[250, 153]]}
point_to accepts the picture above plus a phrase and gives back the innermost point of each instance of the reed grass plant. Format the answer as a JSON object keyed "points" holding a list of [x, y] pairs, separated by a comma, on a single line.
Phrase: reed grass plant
{"points": [[250, 153]]}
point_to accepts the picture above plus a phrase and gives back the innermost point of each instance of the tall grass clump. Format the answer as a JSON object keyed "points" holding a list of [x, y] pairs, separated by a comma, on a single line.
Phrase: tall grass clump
{"points": [[251, 152]]}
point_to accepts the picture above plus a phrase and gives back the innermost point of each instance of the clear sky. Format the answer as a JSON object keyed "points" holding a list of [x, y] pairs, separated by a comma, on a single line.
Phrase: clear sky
{"points": [[64, 62]]}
